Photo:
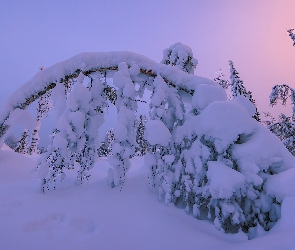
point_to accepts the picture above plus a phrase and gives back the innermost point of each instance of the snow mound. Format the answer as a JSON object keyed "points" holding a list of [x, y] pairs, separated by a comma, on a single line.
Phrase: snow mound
{"points": [[224, 181], [206, 94], [224, 122], [157, 133], [281, 185]]}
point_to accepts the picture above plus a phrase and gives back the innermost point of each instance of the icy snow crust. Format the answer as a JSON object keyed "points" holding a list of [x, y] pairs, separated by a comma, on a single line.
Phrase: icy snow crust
{"points": [[94, 61]]}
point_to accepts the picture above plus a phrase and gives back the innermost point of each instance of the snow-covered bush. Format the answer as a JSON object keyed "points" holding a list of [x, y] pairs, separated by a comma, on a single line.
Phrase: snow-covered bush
{"points": [[180, 56], [218, 163]]}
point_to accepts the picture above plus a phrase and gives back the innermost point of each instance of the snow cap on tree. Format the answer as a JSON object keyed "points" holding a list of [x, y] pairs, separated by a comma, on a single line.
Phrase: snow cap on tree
{"points": [[180, 56]]}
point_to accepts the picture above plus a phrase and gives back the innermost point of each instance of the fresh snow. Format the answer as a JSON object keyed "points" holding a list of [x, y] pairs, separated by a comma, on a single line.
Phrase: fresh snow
{"points": [[94, 216], [157, 133], [224, 181]]}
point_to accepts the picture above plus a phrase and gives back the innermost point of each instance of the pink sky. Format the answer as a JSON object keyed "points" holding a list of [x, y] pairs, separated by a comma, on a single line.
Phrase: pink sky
{"points": [[251, 33]]}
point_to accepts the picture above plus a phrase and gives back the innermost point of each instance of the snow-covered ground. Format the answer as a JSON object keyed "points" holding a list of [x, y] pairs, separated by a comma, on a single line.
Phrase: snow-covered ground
{"points": [[94, 216]]}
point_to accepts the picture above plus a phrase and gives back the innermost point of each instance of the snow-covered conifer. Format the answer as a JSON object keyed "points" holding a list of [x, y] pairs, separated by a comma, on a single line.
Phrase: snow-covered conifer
{"points": [[44, 106], [283, 93], [166, 113], [105, 148], [238, 88], [180, 56], [142, 144], [284, 127], [76, 136], [124, 142]]}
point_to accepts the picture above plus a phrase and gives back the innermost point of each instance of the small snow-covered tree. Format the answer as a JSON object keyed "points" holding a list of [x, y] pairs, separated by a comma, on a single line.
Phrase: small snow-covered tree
{"points": [[23, 144], [282, 93], [124, 142], [292, 35], [166, 114], [142, 144], [180, 56], [44, 106], [76, 136], [284, 127], [105, 148], [238, 88]]}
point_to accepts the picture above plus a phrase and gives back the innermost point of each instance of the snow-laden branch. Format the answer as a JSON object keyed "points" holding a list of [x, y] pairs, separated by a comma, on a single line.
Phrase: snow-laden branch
{"points": [[89, 62]]}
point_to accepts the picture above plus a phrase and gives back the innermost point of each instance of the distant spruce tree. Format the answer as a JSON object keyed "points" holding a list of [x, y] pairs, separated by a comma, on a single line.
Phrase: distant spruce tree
{"points": [[292, 35], [284, 127], [238, 88]]}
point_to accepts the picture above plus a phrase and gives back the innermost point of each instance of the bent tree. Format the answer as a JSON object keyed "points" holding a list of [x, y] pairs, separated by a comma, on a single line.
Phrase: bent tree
{"points": [[202, 153]]}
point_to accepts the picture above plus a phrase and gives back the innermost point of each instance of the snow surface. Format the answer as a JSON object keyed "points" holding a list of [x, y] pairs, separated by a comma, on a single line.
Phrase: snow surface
{"points": [[94, 216]]}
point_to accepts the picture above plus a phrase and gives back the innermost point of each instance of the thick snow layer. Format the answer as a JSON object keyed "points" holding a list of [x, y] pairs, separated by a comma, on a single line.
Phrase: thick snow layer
{"points": [[94, 216], [89, 61], [224, 181], [281, 185], [23, 119], [224, 122], [157, 133], [246, 103], [265, 150], [287, 220], [206, 94]]}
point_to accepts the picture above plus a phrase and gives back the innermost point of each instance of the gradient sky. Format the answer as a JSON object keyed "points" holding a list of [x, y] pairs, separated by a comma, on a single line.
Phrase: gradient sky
{"points": [[251, 33]]}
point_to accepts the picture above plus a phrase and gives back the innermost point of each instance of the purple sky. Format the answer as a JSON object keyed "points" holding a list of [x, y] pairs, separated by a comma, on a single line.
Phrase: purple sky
{"points": [[252, 33]]}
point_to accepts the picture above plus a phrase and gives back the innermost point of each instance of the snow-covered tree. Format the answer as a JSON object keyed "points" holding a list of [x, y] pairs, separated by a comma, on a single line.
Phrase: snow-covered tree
{"points": [[292, 35], [105, 148], [75, 139], [142, 144], [23, 144], [180, 56], [238, 88], [282, 93], [124, 142], [221, 81], [44, 106], [284, 126], [212, 159], [210, 172]]}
